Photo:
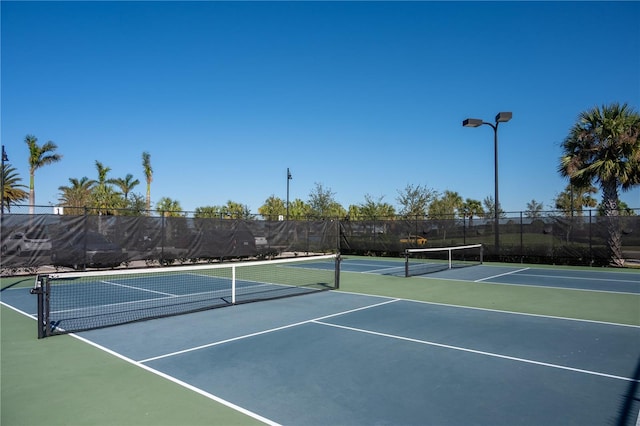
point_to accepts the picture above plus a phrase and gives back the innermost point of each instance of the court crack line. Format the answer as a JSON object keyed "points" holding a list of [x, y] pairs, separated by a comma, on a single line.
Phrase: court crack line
{"points": [[477, 352]]}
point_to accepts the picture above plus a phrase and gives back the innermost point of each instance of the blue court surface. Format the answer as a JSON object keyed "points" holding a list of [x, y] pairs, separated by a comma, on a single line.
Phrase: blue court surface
{"points": [[337, 358]]}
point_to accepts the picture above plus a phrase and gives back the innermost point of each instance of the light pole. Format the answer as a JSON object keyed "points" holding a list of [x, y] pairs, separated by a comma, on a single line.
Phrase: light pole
{"points": [[4, 158], [502, 117], [289, 177]]}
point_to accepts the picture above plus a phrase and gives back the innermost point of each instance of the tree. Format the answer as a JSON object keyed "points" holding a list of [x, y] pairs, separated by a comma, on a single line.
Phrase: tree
{"points": [[125, 185], [471, 208], [323, 204], [135, 205], [77, 195], [353, 212], [489, 205], [603, 146], [273, 208], [534, 209], [39, 156], [104, 199], [169, 208], [235, 210], [210, 212], [148, 174], [446, 206], [415, 200], [623, 207], [12, 192], [443, 209], [377, 209], [299, 210], [574, 198]]}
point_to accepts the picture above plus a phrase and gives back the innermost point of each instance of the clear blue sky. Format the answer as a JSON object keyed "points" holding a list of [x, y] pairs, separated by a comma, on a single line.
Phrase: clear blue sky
{"points": [[361, 97]]}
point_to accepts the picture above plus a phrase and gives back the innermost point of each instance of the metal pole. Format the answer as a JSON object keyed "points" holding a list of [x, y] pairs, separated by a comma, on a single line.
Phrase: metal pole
{"points": [[476, 122], [4, 158], [289, 177], [496, 207]]}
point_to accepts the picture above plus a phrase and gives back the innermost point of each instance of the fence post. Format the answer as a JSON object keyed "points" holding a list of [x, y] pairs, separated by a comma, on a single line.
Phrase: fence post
{"points": [[464, 229], [163, 241], [521, 239], [84, 243], [590, 239]]}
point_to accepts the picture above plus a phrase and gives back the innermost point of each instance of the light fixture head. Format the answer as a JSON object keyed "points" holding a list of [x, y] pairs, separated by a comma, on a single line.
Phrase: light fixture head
{"points": [[503, 117], [472, 122]]}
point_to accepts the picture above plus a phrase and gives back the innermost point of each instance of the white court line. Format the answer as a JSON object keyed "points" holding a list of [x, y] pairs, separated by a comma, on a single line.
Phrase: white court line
{"points": [[161, 374], [271, 330], [346, 262], [500, 311], [477, 352], [179, 382], [501, 275], [378, 268], [581, 278], [138, 288], [555, 286], [378, 271]]}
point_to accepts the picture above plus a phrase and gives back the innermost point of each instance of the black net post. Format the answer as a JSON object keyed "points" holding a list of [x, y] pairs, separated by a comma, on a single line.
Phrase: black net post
{"points": [[38, 290], [337, 275], [47, 306], [406, 264]]}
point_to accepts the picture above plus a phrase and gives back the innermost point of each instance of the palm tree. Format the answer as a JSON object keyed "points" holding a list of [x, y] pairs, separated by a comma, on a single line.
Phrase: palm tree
{"points": [[102, 173], [471, 208], [272, 208], [169, 208], [534, 209], [126, 185], [77, 195], [604, 146], [148, 173], [12, 187], [234, 210], [214, 212], [105, 199], [39, 156], [574, 198]]}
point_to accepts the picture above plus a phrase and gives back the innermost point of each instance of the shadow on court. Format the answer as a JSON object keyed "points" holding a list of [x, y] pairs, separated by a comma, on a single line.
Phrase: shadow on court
{"points": [[630, 408]]}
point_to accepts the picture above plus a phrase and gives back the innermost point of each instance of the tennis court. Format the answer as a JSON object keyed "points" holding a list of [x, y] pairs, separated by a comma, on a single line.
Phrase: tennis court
{"points": [[354, 357], [596, 279]]}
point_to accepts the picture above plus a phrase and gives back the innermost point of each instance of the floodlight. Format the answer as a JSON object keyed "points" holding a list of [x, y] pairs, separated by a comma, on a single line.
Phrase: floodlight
{"points": [[472, 122]]}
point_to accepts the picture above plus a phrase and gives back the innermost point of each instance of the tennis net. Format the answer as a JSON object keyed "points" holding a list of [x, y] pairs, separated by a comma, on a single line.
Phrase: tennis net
{"points": [[72, 302], [428, 260]]}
